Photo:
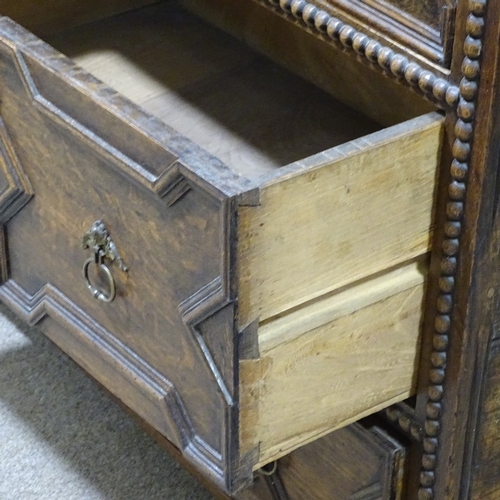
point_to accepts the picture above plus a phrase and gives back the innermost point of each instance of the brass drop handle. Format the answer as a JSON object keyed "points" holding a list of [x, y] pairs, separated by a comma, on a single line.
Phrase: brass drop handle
{"points": [[98, 240], [97, 294]]}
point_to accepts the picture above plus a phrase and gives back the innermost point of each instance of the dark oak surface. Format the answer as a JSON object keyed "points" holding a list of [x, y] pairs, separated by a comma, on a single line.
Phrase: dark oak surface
{"points": [[464, 274], [134, 53], [361, 462], [424, 10], [422, 26], [46, 16], [79, 177]]}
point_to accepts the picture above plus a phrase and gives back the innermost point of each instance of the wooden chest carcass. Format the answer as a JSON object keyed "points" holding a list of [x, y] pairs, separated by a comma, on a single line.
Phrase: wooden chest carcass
{"points": [[255, 250]]}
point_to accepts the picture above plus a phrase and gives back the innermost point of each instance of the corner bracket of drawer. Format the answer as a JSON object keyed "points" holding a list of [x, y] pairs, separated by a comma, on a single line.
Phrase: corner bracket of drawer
{"points": [[249, 341], [171, 185], [243, 474], [250, 198]]}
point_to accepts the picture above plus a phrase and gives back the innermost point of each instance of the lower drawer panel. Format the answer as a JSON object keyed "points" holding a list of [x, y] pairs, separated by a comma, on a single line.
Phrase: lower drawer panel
{"points": [[331, 363], [364, 461]]}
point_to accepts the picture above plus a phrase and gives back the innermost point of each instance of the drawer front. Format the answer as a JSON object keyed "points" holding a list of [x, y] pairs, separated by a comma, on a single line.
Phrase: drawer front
{"points": [[74, 152], [360, 462]]}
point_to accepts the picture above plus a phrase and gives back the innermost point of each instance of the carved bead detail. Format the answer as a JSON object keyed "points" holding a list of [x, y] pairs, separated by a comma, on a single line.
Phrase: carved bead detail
{"points": [[429, 461], [463, 131], [372, 49], [452, 229], [393, 413], [448, 267], [430, 445], [309, 14], [465, 110], [468, 89], [427, 82], [438, 359], [359, 43], [446, 284], [472, 47], [442, 325], [437, 376], [425, 494], [451, 246], [346, 36], [427, 478], [459, 169], [465, 102], [455, 210], [385, 57], [416, 432], [405, 422], [432, 428], [452, 95], [399, 64], [470, 69], [412, 73], [286, 5], [477, 7], [435, 392], [439, 90], [321, 21], [461, 150], [297, 7], [333, 28], [444, 303], [456, 190], [475, 26], [440, 342]]}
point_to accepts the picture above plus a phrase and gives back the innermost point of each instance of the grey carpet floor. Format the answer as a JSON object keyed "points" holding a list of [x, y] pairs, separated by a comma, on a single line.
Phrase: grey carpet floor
{"points": [[62, 438]]}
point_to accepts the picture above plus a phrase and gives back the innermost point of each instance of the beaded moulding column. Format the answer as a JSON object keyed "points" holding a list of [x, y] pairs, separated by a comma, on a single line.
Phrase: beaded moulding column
{"points": [[464, 128], [321, 23]]}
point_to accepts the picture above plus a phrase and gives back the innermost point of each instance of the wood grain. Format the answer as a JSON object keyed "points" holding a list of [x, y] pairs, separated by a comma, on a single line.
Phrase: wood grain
{"points": [[485, 484], [321, 63], [363, 208], [418, 25], [336, 365], [463, 316], [47, 16], [191, 76], [172, 285], [363, 461]]}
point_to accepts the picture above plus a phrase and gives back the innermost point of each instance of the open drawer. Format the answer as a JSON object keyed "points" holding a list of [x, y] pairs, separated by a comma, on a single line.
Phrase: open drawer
{"points": [[260, 265]]}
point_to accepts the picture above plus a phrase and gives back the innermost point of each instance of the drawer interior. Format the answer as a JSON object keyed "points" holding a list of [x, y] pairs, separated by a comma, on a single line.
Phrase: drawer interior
{"points": [[238, 105]]}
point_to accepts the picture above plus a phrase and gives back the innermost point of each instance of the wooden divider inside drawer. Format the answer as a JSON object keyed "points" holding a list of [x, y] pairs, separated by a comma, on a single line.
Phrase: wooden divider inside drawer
{"points": [[328, 289]]}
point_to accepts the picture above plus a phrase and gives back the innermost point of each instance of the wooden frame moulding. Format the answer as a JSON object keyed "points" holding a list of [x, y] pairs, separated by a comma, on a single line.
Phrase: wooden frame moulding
{"points": [[399, 27], [430, 83]]}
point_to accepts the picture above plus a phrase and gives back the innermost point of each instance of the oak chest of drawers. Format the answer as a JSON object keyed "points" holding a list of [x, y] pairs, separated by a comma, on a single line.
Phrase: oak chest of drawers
{"points": [[233, 252]]}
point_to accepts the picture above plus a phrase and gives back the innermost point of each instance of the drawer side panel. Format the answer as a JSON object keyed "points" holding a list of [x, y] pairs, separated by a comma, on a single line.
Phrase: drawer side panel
{"points": [[357, 210], [346, 358]]}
